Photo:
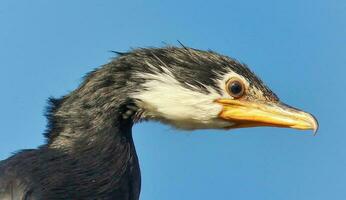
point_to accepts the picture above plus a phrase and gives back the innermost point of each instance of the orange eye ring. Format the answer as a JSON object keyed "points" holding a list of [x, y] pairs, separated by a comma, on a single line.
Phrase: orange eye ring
{"points": [[235, 87]]}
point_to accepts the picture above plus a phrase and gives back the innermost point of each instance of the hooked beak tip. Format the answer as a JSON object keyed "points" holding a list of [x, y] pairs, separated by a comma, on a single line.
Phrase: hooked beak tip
{"points": [[315, 124]]}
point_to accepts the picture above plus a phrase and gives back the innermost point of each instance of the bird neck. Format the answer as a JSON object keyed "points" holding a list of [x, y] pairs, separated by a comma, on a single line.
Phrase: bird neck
{"points": [[90, 117], [84, 129], [95, 147]]}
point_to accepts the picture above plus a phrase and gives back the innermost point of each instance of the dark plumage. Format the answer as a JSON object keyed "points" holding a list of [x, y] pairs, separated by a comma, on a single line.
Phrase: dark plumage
{"points": [[89, 153]]}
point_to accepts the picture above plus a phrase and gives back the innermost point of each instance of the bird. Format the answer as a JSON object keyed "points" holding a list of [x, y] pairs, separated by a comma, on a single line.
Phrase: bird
{"points": [[89, 152]]}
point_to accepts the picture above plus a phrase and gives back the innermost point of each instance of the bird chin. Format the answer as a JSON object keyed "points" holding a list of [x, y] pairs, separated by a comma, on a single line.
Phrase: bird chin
{"points": [[191, 125]]}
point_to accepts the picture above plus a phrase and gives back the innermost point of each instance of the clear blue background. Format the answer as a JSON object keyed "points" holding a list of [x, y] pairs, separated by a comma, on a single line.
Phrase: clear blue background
{"points": [[297, 47]]}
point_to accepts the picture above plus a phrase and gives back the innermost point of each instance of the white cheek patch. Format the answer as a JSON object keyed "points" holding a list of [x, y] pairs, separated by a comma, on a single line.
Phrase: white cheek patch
{"points": [[165, 99]]}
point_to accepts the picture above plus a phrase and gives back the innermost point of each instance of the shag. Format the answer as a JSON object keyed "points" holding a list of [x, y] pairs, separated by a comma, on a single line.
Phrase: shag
{"points": [[89, 151]]}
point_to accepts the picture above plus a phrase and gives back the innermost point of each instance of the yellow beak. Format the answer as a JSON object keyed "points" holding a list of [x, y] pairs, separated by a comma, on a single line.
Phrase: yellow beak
{"points": [[253, 114]]}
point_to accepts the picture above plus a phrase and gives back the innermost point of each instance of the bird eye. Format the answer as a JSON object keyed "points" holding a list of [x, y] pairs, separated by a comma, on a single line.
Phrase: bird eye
{"points": [[235, 88]]}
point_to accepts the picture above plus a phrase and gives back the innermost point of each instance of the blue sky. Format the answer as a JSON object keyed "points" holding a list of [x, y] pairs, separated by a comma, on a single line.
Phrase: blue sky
{"points": [[297, 47]]}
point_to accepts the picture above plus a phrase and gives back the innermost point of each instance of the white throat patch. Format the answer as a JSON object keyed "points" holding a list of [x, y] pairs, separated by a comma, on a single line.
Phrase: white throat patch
{"points": [[167, 100]]}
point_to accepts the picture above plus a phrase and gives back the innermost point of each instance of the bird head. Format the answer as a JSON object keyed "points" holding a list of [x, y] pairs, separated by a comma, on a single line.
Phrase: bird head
{"points": [[193, 89]]}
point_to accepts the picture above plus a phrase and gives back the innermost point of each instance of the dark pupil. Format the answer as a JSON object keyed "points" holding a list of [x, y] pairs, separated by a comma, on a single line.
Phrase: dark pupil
{"points": [[236, 88]]}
